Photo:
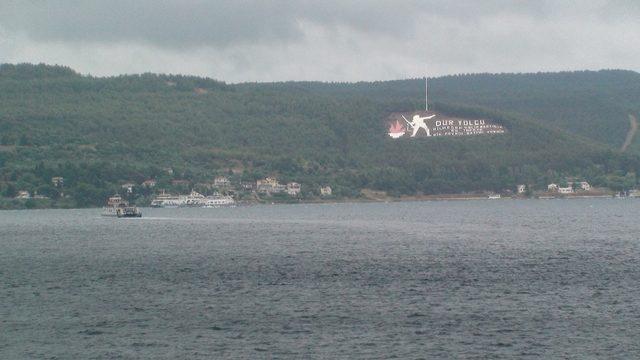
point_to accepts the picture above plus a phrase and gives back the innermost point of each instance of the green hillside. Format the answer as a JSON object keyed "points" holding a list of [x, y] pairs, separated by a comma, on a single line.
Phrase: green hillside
{"points": [[100, 132], [593, 104]]}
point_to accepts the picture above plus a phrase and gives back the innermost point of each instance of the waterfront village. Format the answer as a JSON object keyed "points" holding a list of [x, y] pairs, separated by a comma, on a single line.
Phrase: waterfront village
{"points": [[224, 190]]}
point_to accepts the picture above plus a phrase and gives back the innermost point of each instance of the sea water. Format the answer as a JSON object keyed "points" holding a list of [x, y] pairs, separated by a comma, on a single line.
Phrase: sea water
{"points": [[413, 280]]}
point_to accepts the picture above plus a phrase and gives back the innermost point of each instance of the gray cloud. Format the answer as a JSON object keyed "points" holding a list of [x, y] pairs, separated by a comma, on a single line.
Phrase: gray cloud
{"points": [[186, 23], [262, 40], [162, 23]]}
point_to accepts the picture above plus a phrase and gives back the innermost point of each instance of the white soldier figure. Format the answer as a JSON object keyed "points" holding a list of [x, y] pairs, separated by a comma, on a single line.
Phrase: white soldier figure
{"points": [[418, 123]]}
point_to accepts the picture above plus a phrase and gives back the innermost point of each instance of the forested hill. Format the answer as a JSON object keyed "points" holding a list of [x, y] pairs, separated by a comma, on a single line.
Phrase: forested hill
{"points": [[100, 132], [594, 104]]}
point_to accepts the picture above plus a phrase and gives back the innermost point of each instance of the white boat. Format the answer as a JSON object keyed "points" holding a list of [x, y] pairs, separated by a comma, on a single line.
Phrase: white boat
{"points": [[113, 204], [118, 207], [493, 196], [218, 200], [166, 201], [194, 199]]}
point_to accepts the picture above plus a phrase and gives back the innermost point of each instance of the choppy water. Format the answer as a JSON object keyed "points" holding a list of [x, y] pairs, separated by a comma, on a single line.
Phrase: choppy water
{"points": [[473, 279]]}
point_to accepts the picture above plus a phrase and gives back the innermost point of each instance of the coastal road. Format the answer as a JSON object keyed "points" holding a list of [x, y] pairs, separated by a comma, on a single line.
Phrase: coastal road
{"points": [[633, 123]]}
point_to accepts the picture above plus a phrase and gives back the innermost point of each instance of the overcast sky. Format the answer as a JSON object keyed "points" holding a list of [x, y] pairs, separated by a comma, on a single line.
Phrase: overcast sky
{"points": [[329, 40]]}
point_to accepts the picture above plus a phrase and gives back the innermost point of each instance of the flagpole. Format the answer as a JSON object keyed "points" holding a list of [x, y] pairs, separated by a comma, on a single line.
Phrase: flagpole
{"points": [[426, 94]]}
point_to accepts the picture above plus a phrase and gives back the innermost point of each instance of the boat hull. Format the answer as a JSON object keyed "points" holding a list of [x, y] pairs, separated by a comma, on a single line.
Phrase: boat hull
{"points": [[122, 212], [110, 212], [136, 215]]}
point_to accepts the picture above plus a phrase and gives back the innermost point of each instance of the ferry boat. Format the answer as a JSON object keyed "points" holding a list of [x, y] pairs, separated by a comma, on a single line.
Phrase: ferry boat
{"points": [[194, 199], [166, 201], [118, 207], [218, 200]]}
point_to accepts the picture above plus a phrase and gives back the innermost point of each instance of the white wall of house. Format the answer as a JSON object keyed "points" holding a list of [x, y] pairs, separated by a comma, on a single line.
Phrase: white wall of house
{"points": [[325, 191]]}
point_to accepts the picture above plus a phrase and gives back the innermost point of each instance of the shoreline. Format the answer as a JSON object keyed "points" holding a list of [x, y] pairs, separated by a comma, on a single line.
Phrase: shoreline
{"points": [[381, 199], [448, 198]]}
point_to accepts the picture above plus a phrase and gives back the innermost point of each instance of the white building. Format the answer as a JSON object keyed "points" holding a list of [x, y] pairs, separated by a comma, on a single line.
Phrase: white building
{"points": [[293, 189], [23, 195], [128, 187], [57, 181], [149, 183], [565, 190], [325, 191], [585, 186], [582, 185], [269, 185], [221, 181], [522, 189], [552, 187]]}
